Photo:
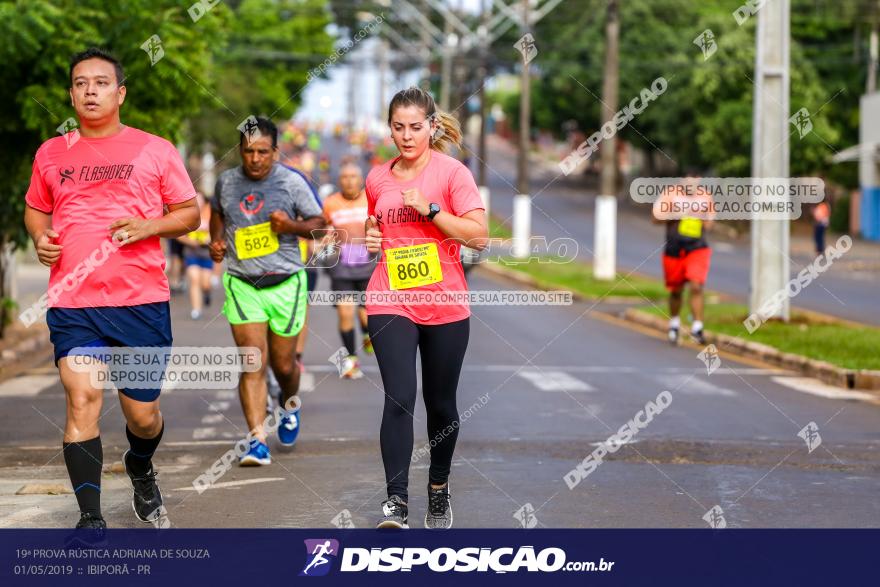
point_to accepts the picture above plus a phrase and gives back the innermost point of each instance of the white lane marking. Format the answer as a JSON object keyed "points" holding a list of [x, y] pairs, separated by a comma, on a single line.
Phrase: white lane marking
{"points": [[694, 386], [606, 443], [212, 418], [576, 369], [816, 387], [200, 433], [226, 394], [224, 484], [722, 247], [555, 381], [195, 443], [307, 382], [27, 385], [218, 406]]}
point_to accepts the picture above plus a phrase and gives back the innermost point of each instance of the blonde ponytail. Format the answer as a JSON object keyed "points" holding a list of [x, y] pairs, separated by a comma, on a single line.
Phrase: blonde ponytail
{"points": [[448, 133]]}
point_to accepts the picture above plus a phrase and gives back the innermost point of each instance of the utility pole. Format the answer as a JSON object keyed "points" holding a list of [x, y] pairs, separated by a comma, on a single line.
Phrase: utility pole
{"points": [[485, 9], [446, 66], [352, 86], [605, 217], [770, 152], [425, 42], [522, 176], [522, 203], [382, 47], [871, 85], [484, 72]]}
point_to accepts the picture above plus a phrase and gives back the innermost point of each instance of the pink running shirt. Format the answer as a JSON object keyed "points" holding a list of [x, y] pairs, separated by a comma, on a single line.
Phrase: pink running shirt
{"points": [[87, 186], [446, 181]]}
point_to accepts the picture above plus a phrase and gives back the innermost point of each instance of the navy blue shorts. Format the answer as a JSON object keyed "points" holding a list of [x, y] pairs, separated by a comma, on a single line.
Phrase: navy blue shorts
{"points": [[311, 279], [124, 326], [198, 261]]}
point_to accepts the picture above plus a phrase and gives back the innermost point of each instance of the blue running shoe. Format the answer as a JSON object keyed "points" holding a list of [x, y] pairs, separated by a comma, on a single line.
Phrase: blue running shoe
{"points": [[288, 428], [257, 454]]}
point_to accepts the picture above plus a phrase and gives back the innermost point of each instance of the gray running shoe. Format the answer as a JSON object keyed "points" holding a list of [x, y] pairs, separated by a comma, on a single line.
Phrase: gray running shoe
{"points": [[439, 514], [394, 513]]}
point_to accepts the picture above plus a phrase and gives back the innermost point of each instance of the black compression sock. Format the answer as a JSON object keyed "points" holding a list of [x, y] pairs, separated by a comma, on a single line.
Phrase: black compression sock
{"points": [[84, 461], [348, 341], [139, 459]]}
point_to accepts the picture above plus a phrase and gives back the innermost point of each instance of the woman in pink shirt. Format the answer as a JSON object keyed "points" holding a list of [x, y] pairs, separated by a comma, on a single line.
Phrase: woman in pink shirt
{"points": [[422, 205]]}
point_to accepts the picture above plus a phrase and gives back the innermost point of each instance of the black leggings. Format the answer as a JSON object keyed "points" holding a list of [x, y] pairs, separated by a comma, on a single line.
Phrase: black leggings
{"points": [[442, 349]]}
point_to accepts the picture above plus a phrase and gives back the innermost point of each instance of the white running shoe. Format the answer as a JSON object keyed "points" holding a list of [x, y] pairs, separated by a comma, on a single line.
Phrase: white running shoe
{"points": [[351, 368]]}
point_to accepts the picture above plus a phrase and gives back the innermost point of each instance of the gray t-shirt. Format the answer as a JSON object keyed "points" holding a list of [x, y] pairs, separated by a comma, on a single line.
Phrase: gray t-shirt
{"points": [[247, 203]]}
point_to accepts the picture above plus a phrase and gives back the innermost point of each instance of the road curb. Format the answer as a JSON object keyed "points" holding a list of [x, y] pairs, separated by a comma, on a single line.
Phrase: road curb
{"points": [[530, 281], [833, 375], [863, 379]]}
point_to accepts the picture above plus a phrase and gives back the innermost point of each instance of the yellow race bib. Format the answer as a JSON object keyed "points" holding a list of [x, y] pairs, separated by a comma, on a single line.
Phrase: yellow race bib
{"points": [[200, 236], [413, 266], [304, 250], [690, 227], [255, 241]]}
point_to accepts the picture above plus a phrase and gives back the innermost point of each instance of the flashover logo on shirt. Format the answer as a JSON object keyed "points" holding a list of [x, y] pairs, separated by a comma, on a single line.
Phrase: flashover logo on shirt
{"points": [[404, 215], [251, 202], [89, 173], [67, 174]]}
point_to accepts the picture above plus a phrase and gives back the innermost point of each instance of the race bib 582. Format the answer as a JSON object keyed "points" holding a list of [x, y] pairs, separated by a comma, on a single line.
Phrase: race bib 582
{"points": [[255, 241]]}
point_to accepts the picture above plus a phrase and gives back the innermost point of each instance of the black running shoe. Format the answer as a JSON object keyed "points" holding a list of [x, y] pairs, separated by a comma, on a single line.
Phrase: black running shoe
{"points": [[88, 521], [147, 499], [439, 514], [91, 532], [698, 336], [395, 513]]}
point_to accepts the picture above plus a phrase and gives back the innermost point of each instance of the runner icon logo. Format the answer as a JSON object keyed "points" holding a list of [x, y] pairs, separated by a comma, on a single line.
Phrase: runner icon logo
{"points": [[706, 42], [715, 518], [68, 129], [526, 516], [338, 359], [154, 49], [710, 358], [343, 520], [810, 435], [320, 554]]}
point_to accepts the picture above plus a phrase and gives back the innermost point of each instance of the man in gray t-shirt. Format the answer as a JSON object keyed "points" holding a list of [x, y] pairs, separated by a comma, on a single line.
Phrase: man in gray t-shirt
{"points": [[245, 203], [259, 212]]}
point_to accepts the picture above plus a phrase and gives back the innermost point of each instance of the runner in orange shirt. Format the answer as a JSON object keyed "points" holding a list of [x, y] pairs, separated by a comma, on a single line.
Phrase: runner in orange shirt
{"points": [[346, 211]]}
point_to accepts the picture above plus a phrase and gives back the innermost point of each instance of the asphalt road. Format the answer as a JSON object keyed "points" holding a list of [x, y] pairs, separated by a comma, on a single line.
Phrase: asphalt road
{"points": [[561, 209], [556, 382]]}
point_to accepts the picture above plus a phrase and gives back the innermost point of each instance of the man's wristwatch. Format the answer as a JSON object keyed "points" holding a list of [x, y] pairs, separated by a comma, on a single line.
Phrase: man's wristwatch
{"points": [[433, 209]]}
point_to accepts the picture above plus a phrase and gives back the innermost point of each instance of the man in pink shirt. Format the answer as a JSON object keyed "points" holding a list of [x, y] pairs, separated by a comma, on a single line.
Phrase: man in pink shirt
{"points": [[96, 208]]}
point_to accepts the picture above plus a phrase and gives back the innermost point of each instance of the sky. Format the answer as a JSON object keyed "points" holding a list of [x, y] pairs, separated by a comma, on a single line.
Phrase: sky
{"points": [[327, 98]]}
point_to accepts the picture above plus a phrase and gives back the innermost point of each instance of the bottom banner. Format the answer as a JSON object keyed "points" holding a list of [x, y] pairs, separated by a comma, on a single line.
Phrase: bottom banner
{"points": [[510, 557]]}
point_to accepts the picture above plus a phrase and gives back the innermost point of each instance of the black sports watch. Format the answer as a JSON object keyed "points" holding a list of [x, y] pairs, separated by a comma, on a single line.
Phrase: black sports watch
{"points": [[433, 209]]}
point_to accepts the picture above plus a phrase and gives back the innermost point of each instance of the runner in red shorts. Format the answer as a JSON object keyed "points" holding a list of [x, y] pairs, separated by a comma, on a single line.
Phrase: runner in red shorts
{"points": [[686, 257]]}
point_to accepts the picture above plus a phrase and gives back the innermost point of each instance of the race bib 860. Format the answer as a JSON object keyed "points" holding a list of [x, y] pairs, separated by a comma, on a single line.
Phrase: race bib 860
{"points": [[413, 266]]}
